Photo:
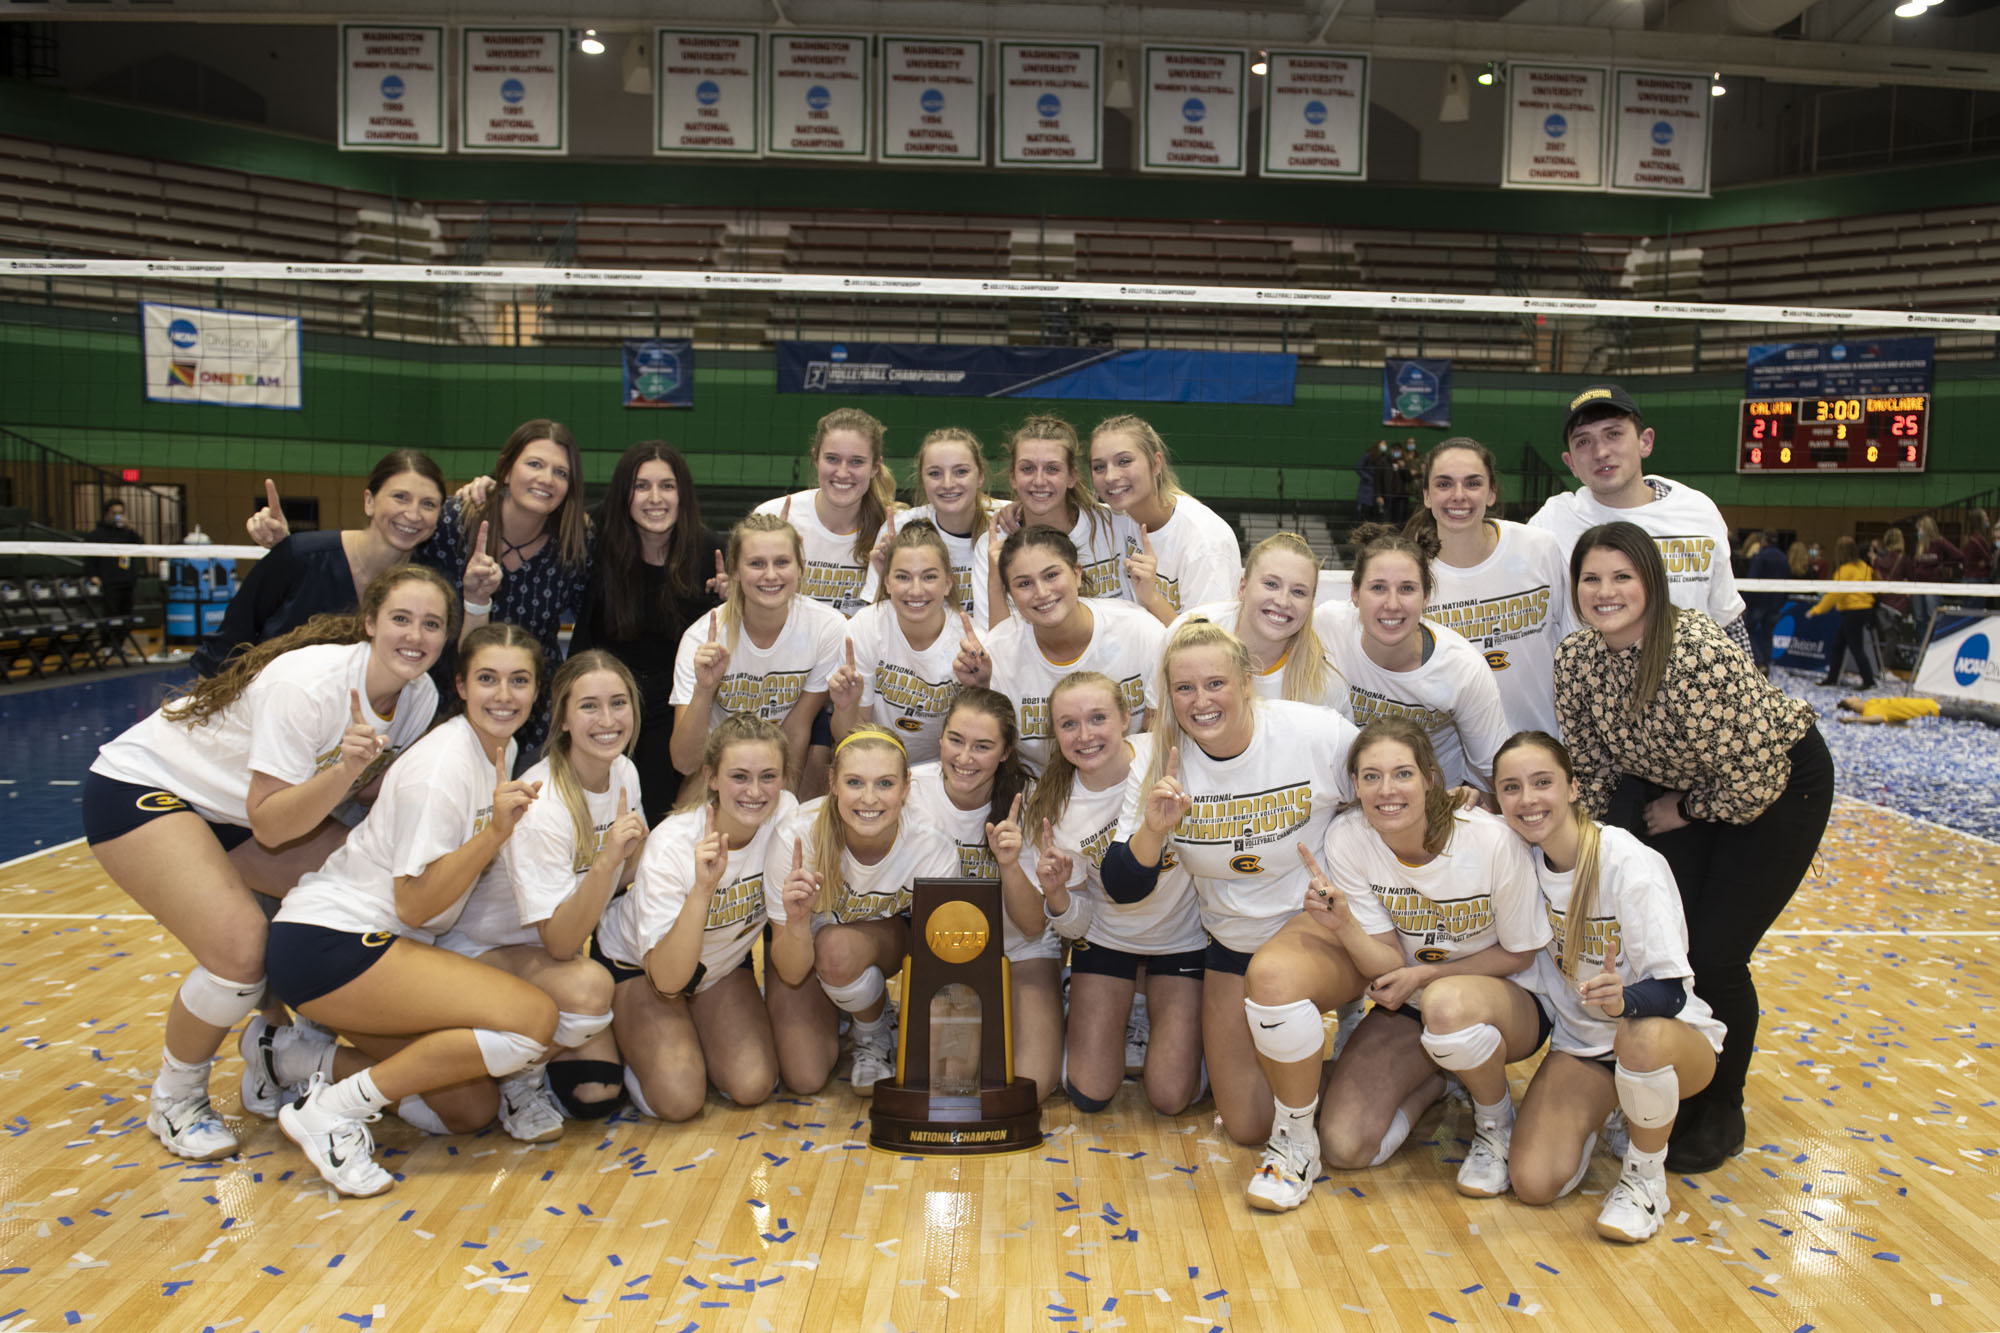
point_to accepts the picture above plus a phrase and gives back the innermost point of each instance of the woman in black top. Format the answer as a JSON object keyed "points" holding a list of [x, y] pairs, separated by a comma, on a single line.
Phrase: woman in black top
{"points": [[657, 569]]}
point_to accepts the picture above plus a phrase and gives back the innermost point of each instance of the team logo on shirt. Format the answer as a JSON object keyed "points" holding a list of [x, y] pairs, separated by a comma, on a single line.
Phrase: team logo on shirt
{"points": [[1247, 821], [839, 586], [159, 802], [769, 697], [1247, 864], [482, 819], [581, 863], [1602, 934], [376, 939], [1369, 706], [1104, 578], [899, 687], [975, 861], [1497, 619], [961, 586], [1686, 557], [738, 904], [1097, 844], [1433, 925], [1033, 719], [849, 906]]}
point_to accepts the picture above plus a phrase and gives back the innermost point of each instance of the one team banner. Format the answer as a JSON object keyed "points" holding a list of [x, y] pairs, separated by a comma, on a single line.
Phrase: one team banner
{"points": [[1416, 392], [1555, 127], [1048, 104], [1316, 115], [391, 89], [1660, 133], [512, 91], [659, 372], [1192, 110], [197, 355], [1838, 369], [706, 97], [933, 105], [819, 95], [1960, 660], [1150, 375]]}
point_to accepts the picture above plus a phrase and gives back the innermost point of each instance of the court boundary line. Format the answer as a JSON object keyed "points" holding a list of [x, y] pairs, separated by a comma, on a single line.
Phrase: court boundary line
{"points": [[46, 851]]}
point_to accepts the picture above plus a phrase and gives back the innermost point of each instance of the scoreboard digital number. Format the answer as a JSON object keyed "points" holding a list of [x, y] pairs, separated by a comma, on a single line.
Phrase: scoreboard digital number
{"points": [[1854, 434]]}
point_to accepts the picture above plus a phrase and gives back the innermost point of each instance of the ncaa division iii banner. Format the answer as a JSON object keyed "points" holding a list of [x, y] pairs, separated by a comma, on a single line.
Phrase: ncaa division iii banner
{"points": [[197, 355]]}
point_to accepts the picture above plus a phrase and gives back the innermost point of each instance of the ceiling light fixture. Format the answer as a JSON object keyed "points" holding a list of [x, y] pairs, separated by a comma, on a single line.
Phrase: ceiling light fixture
{"points": [[1261, 65], [1909, 9], [1489, 75], [590, 43], [1715, 88]]}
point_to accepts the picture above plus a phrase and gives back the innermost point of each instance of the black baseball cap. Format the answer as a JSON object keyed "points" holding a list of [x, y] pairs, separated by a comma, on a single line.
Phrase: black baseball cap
{"points": [[1592, 400]]}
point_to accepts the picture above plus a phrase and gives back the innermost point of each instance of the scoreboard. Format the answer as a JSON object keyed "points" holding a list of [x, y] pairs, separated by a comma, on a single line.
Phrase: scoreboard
{"points": [[1858, 433]]}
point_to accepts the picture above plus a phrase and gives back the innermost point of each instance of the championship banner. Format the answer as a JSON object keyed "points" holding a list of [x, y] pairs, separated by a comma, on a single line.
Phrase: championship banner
{"points": [[659, 372], [1555, 128], [1049, 113], [1960, 661], [819, 95], [1799, 641], [1148, 375], [933, 105], [1416, 392], [705, 93], [195, 355], [391, 89], [513, 95], [1660, 133], [1316, 115], [1839, 369], [1192, 110]]}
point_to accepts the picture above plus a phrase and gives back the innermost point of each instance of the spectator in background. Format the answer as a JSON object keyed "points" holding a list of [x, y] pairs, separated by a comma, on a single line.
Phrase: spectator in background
{"points": [[1369, 504], [1768, 560], [1975, 543], [1397, 490], [1856, 614], [1936, 561], [1739, 559], [1799, 562], [116, 572], [1889, 562]]}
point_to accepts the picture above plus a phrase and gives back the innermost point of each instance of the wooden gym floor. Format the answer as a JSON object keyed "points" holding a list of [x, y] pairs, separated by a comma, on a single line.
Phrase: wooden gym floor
{"points": [[1867, 1198]]}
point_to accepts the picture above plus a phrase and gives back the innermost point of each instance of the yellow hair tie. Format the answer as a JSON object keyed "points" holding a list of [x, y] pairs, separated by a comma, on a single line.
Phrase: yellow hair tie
{"points": [[870, 733]]}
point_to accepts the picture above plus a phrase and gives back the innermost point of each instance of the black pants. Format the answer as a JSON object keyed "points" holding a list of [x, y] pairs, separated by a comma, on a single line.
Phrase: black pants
{"points": [[1734, 880], [1853, 641]]}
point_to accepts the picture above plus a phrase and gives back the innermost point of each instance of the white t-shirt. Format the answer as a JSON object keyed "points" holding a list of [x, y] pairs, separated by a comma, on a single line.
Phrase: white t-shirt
{"points": [[1199, 558], [905, 690], [967, 830], [1103, 537], [1638, 913], [1268, 684], [968, 562], [541, 865], [1513, 607], [767, 681], [1251, 813], [434, 799], [640, 918], [1125, 644], [1478, 892], [1167, 920], [833, 576], [1451, 694], [1685, 525], [287, 723], [865, 893]]}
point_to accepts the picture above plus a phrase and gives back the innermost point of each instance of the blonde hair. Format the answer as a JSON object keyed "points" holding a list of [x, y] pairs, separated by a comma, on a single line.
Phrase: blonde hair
{"points": [[1440, 806], [1166, 724], [878, 502], [828, 833], [1049, 797], [1583, 880], [562, 769], [749, 526], [736, 729], [982, 499], [1057, 431], [1308, 673], [1165, 483]]}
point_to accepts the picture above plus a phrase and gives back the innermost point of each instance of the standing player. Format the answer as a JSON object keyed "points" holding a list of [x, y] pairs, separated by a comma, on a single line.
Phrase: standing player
{"points": [[898, 672], [1187, 553], [266, 750], [1050, 490], [948, 478], [1503, 586], [839, 520], [1272, 613], [1605, 444]]}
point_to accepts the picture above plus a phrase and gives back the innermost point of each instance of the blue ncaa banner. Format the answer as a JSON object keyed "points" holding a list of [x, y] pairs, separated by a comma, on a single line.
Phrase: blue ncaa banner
{"points": [[196, 355], [1143, 375], [1416, 392], [659, 372], [1837, 369]]}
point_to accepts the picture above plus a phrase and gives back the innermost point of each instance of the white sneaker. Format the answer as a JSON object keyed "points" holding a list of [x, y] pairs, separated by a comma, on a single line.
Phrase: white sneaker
{"points": [[266, 1050], [1483, 1173], [339, 1147], [1138, 1033], [1285, 1176], [874, 1055], [1617, 1135], [1635, 1207], [191, 1128], [529, 1112]]}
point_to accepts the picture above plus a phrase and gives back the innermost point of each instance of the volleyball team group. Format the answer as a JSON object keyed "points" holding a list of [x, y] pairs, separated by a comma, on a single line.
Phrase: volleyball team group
{"points": [[1521, 787]]}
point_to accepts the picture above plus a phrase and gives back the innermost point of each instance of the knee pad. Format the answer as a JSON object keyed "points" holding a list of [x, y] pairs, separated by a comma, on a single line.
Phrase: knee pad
{"points": [[1467, 1048], [1392, 1139], [1287, 1033], [217, 1001], [857, 994], [507, 1052], [638, 1095], [566, 1075], [576, 1029], [1649, 1098], [1082, 1102]]}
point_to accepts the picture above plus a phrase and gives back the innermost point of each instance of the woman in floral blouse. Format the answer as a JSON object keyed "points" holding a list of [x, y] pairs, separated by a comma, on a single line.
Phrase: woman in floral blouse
{"points": [[1678, 738]]}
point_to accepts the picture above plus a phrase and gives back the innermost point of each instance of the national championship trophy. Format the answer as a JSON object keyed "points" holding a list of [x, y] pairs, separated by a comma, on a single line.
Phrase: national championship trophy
{"points": [[955, 1093]]}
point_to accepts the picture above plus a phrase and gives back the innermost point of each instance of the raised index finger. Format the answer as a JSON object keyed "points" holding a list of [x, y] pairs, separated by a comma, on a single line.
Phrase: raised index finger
{"points": [[1174, 762], [1014, 815], [1145, 540], [622, 806], [1311, 862], [850, 654], [479, 542], [711, 627], [354, 707], [500, 767], [271, 497]]}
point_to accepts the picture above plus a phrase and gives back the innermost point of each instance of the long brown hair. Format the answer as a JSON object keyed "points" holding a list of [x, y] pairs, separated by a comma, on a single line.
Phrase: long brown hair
{"points": [[1307, 669], [1373, 539], [982, 499], [736, 729], [572, 524], [1440, 805], [398, 461], [562, 769], [1583, 881], [205, 698], [619, 546], [1010, 779], [919, 534], [1057, 431], [829, 834], [1422, 527], [748, 526], [880, 496], [1050, 796], [1656, 645]]}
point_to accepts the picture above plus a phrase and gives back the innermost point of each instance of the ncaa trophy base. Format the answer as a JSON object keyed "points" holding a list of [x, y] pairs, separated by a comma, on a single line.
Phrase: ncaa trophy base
{"points": [[1001, 1119]]}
